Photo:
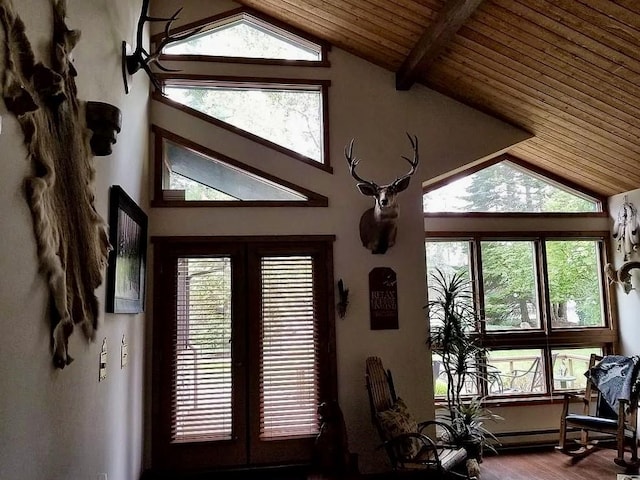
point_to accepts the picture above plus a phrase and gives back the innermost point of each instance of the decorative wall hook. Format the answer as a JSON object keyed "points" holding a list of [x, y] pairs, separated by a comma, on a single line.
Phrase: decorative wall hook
{"points": [[343, 296], [140, 58]]}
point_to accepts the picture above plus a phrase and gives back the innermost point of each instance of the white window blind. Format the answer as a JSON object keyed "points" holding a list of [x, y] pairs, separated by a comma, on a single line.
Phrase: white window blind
{"points": [[201, 401], [289, 365]]}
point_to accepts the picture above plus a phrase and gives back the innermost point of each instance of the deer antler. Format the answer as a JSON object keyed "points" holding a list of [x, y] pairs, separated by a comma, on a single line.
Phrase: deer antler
{"points": [[414, 162], [353, 163], [140, 58]]}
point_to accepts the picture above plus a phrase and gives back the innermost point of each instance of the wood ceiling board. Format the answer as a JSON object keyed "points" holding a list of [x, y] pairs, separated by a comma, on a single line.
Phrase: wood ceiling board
{"points": [[567, 80], [619, 64], [337, 24], [549, 90], [608, 16], [433, 41], [527, 39], [581, 174]]}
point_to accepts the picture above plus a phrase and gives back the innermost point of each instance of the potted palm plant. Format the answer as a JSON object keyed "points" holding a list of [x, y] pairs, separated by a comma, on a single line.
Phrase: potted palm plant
{"points": [[452, 323]]}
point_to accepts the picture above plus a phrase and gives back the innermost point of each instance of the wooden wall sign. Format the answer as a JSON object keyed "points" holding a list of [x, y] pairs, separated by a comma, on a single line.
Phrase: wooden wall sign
{"points": [[383, 299]]}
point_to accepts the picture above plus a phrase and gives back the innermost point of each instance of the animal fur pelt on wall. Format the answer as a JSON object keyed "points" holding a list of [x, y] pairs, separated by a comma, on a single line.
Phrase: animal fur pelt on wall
{"points": [[70, 235]]}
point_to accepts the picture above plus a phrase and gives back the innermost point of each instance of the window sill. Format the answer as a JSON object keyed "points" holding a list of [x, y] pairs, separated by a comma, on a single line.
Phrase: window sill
{"points": [[555, 399]]}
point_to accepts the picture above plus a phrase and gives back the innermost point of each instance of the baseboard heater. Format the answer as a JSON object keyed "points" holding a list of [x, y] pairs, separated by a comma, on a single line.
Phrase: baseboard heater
{"points": [[542, 443]]}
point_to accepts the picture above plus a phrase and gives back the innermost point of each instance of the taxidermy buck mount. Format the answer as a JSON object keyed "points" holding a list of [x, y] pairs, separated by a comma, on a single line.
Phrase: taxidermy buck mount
{"points": [[378, 225], [140, 58]]}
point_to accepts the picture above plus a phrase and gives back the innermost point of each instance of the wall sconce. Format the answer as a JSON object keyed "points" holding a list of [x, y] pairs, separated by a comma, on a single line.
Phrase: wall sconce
{"points": [[343, 299], [140, 58], [105, 121]]}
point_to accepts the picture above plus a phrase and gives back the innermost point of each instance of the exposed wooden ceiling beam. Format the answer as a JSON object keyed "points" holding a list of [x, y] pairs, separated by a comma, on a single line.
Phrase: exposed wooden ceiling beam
{"points": [[434, 40]]}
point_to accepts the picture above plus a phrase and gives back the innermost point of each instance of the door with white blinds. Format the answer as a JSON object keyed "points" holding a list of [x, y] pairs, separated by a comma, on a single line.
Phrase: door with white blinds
{"points": [[243, 353]]}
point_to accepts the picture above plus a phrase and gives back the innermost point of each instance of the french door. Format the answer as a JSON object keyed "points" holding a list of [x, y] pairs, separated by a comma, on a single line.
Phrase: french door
{"points": [[243, 350]]}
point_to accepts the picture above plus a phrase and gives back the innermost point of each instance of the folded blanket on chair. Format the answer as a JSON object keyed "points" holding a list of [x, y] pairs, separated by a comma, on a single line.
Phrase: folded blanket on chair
{"points": [[616, 377]]}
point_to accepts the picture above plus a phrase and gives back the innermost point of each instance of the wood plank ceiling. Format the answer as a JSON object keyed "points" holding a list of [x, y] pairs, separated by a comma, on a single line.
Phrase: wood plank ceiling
{"points": [[567, 71]]}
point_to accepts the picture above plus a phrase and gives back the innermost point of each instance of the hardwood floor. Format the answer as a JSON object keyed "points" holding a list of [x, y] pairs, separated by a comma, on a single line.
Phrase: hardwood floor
{"points": [[541, 464], [550, 465]]}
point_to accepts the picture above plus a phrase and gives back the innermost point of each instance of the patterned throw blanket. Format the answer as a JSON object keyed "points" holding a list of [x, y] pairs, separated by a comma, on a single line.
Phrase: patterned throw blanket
{"points": [[616, 377]]}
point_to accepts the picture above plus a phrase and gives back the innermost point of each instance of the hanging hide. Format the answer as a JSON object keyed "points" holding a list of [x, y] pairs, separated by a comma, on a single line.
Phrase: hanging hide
{"points": [[71, 238]]}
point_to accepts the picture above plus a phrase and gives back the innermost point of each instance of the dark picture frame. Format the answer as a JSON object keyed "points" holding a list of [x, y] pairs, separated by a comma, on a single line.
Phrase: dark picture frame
{"points": [[126, 272]]}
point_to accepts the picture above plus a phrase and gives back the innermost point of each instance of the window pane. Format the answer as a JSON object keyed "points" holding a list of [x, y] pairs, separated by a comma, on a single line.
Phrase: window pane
{"points": [[289, 363], [509, 280], [202, 177], [291, 118], [448, 257], [506, 187], [569, 367], [202, 395], [574, 283], [516, 372], [248, 38], [469, 383]]}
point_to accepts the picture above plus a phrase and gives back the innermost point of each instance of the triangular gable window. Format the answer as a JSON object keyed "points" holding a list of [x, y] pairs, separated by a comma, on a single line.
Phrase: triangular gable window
{"points": [[507, 187], [244, 34], [192, 174]]}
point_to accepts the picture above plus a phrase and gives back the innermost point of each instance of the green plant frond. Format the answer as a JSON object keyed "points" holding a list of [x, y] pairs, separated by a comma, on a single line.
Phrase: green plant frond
{"points": [[453, 317]]}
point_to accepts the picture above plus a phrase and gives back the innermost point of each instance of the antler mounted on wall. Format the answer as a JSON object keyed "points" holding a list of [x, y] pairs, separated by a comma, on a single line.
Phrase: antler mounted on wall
{"points": [[622, 275], [140, 58], [378, 224]]}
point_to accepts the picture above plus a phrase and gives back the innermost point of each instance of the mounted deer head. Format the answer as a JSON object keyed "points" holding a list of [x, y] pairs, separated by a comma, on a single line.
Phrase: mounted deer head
{"points": [[140, 58], [378, 224]]}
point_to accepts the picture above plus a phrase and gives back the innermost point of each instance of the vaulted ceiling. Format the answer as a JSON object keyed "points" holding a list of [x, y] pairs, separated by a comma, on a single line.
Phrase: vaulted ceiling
{"points": [[568, 71]]}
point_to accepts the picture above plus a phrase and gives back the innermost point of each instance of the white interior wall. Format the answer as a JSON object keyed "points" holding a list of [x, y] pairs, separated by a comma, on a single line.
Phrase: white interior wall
{"points": [[64, 425], [627, 303], [364, 104]]}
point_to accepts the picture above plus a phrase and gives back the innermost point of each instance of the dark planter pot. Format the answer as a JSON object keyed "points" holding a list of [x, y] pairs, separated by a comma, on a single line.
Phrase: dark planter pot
{"points": [[474, 449]]}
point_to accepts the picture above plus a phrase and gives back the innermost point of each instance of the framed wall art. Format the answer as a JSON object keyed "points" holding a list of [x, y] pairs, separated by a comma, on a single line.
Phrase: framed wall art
{"points": [[127, 261]]}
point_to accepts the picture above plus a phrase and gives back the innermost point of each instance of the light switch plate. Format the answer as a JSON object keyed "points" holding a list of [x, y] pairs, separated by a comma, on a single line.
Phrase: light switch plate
{"points": [[103, 361], [124, 353]]}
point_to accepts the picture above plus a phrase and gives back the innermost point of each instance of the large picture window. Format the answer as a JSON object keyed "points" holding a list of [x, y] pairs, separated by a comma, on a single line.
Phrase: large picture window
{"points": [[530, 293], [539, 292]]}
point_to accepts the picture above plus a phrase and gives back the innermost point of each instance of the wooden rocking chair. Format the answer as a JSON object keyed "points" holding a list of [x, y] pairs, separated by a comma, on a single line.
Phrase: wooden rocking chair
{"points": [[409, 449], [597, 416]]}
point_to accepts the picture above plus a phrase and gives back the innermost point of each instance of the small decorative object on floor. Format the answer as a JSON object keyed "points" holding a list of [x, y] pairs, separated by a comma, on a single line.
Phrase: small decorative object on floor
{"points": [[473, 468], [331, 446]]}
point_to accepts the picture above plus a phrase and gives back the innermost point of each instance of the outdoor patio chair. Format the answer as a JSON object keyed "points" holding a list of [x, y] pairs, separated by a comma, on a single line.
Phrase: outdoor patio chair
{"points": [[618, 425], [407, 445]]}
